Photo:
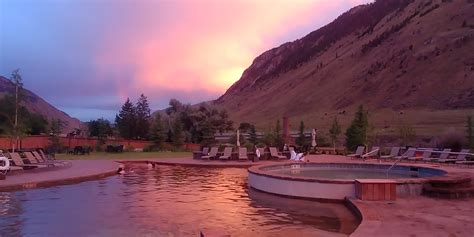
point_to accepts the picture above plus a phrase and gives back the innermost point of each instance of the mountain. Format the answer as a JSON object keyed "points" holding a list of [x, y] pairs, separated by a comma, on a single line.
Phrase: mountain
{"points": [[401, 59], [36, 104]]}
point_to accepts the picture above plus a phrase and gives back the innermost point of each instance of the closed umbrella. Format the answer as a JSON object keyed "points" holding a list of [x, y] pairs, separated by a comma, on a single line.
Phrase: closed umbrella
{"points": [[313, 137], [238, 138]]}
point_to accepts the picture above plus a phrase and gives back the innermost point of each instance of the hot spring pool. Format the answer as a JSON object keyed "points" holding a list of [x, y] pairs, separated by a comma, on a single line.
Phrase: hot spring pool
{"points": [[168, 201], [335, 181]]}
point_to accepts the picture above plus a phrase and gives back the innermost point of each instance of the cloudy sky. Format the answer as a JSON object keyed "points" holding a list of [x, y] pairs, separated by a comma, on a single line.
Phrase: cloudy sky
{"points": [[87, 56]]}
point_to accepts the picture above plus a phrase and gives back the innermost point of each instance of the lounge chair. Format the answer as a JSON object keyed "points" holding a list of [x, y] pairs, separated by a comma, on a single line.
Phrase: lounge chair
{"points": [[33, 160], [41, 160], [443, 156], [359, 152], [393, 153], [18, 161], [205, 151], [212, 154], [275, 154], [243, 153], [372, 153], [460, 158], [227, 154], [408, 153], [426, 155]]}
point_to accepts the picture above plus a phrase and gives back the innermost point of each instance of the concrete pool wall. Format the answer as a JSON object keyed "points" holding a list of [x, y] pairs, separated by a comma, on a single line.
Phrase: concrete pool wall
{"points": [[261, 178]]}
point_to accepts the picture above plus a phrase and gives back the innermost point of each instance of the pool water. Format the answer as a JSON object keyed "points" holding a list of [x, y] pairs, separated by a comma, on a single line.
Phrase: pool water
{"points": [[167, 201], [336, 173]]}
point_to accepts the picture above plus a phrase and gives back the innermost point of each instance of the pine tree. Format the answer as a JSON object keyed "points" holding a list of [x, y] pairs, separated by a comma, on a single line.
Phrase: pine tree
{"points": [[335, 131], [143, 116], [157, 132], [356, 134], [125, 120]]}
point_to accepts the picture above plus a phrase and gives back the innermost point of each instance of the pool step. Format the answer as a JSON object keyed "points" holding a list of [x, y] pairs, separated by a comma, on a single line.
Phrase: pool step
{"points": [[450, 187]]}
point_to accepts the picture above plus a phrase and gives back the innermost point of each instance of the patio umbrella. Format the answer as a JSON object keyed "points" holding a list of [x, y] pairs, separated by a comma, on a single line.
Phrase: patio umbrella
{"points": [[313, 137], [238, 138]]}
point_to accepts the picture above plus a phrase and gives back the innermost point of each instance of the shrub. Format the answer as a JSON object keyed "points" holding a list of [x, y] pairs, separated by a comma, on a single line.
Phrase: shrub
{"points": [[453, 140]]}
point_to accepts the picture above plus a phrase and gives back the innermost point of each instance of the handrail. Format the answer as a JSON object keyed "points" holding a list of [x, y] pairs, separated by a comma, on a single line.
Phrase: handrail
{"points": [[370, 153], [398, 160]]}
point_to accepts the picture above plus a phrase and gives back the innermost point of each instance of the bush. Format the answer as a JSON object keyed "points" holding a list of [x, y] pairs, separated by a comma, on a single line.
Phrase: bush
{"points": [[455, 141]]}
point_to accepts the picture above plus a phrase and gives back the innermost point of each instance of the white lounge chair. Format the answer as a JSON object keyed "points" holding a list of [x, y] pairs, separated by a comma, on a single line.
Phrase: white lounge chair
{"points": [[243, 153], [274, 153], [426, 155], [227, 154], [393, 153], [212, 154], [408, 153], [359, 152], [372, 153]]}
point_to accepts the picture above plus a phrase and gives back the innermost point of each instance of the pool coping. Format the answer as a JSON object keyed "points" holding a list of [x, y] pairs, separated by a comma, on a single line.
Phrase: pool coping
{"points": [[257, 170]]}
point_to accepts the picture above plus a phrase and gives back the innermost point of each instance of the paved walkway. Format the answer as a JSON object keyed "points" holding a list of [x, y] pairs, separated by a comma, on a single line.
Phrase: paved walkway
{"points": [[80, 170]]}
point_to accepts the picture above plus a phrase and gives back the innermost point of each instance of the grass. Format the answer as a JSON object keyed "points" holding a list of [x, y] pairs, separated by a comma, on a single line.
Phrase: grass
{"points": [[123, 155]]}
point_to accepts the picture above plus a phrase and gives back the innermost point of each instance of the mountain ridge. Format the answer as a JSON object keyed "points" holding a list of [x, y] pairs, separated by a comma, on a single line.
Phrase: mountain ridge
{"points": [[395, 54], [36, 104]]}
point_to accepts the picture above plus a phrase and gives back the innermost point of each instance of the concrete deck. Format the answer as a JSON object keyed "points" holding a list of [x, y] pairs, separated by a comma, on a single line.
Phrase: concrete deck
{"points": [[80, 170], [415, 216]]}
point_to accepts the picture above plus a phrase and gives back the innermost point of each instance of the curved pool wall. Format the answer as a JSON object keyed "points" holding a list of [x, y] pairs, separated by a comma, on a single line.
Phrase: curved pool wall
{"points": [[262, 178]]}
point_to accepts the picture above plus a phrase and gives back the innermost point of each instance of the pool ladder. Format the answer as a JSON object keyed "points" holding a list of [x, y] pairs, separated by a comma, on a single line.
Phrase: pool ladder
{"points": [[395, 163]]}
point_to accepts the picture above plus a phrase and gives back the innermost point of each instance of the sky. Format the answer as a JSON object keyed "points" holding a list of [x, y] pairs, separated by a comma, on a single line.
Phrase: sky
{"points": [[86, 57]]}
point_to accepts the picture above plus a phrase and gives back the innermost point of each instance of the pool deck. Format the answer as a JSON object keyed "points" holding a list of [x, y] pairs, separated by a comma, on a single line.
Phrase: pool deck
{"points": [[414, 216], [80, 170]]}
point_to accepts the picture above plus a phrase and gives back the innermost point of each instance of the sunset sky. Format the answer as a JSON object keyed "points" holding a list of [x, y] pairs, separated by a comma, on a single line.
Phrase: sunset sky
{"points": [[87, 56]]}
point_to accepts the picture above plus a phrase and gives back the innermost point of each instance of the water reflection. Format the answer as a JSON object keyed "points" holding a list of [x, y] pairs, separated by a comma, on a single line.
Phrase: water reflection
{"points": [[167, 201]]}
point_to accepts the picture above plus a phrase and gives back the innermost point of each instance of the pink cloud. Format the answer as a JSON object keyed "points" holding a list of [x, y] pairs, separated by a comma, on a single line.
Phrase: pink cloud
{"points": [[204, 46]]}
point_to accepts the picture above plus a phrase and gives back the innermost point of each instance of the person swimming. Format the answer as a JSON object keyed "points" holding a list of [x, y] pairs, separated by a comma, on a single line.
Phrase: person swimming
{"points": [[121, 170]]}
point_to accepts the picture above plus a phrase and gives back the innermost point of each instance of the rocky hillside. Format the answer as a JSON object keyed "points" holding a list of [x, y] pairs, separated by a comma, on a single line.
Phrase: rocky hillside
{"points": [[36, 104], [393, 56]]}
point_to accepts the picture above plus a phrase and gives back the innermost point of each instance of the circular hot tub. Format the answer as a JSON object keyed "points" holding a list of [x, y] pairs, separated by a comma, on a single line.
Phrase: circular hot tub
{"points": [[335, 181]]}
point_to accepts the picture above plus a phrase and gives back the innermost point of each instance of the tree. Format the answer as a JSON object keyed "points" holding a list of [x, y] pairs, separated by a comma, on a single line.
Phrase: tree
{"points": [[157, 132], [18, 81], [470, 132], [356, 134], [177, 135], [301, 140], [335, 131], [245, 127], [125, 120], [253, 135], [101, 129], [55, 129], [36, 124], [143, 116]]}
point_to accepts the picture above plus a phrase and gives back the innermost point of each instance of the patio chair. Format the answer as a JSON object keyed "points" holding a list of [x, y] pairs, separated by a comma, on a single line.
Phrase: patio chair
{"points": [[205, 151], [408, 153], [393, 153], [212, 154], [243, 153], [372, 153], [227, 154], [426, 155], [41, 160], [460, 158], [275, 154], [443, 156], [18, 161], [359, 152]]}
